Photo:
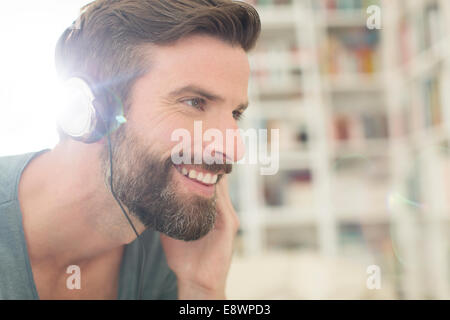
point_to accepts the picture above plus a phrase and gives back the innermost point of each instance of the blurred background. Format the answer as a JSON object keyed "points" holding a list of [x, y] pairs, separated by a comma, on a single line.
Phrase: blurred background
{"points": [[359, 91], [360, 205]]}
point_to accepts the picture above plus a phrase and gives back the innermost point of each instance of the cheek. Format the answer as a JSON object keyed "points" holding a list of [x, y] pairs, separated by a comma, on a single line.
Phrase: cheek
{"points": [[157, 126], [168, 134]]}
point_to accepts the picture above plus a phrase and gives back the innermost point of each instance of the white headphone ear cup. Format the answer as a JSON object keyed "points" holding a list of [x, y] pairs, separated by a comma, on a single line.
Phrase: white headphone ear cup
{"points": [[78, 118]]}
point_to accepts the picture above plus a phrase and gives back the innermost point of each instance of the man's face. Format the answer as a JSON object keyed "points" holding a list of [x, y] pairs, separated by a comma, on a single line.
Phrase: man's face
{"points": [[199, 78]]}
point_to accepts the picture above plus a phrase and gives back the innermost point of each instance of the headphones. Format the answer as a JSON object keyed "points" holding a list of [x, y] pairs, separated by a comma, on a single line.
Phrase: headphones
{"points": [[87, 113], [89, 110]]}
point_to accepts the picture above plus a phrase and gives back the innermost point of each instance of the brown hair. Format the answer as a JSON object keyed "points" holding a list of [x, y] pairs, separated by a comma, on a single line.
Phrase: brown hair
{"points": [[105, 43]]}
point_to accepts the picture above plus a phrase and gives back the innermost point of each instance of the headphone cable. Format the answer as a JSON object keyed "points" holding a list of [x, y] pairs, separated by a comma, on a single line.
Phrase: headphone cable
{"points": [[141, 244]]}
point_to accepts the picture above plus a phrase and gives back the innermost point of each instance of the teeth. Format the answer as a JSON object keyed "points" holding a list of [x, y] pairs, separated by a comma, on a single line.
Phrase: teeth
{"points": [[199, 176], [192, 174], [207, 179]]}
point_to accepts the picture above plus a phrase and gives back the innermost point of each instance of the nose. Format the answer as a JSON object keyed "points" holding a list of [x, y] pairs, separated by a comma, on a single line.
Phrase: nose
{"points": [[234, 144], [232, 147]]}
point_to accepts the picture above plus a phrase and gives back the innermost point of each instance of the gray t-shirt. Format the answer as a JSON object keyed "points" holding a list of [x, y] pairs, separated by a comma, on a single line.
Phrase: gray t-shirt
{"points": [[16, 277]]}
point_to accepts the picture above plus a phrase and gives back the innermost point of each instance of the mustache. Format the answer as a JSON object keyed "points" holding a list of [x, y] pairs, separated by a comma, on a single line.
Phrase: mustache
{"points": [[216, 167], [224, 168]]}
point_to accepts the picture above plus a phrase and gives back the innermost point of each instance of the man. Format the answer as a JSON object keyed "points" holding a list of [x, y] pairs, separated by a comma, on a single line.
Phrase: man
{"points": [[63, 234]]}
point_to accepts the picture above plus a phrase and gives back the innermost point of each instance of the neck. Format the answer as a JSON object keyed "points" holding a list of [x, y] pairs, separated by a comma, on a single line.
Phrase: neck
{"points": [[69, 214]]}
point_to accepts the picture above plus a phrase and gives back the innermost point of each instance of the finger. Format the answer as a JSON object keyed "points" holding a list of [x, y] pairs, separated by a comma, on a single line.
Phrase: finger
{"points": [[226, 215]]}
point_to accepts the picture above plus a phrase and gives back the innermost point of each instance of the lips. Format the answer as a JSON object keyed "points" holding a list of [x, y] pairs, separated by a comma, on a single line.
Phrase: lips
{"points": [[203, 177]]}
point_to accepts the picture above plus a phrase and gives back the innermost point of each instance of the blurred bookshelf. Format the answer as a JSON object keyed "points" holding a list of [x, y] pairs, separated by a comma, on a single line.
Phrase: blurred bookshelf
{"points": [[417, 84], [364, 138]]}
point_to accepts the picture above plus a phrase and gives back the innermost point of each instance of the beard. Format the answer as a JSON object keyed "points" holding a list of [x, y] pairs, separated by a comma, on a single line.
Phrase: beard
{"points": [[145, 185]]}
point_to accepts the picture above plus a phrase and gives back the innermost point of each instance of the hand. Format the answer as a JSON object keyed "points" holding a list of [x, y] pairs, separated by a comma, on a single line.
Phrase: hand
{"points": [[202, 266]]}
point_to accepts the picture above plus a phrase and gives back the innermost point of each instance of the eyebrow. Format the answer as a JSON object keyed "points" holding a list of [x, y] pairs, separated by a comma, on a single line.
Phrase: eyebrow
{"points": [[204, 93]]}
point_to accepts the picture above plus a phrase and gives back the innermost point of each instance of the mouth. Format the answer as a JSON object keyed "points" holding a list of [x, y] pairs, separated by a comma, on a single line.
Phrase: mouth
{"points": [[201, 182]]}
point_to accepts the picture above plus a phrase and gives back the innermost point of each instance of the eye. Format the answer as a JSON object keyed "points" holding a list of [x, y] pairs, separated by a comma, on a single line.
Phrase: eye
{"points": [[198, 103], [238, 115]]}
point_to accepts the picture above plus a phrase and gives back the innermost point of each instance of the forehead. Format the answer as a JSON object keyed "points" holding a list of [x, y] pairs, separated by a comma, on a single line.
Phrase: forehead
{"points": [[202, 60]]}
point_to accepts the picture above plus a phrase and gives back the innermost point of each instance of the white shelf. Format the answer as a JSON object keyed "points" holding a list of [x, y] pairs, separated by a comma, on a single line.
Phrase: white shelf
{"points": [[293, 108], [282, 87], [374, 216], [353, 82], [288, 216], [340, 19], [274, 16], [414, 7], [367, 147], [426, 61], [290, 61]]}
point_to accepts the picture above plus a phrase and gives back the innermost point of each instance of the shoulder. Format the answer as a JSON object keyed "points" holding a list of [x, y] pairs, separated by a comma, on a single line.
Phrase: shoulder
{"points": [[11, 168], [17, 284]]}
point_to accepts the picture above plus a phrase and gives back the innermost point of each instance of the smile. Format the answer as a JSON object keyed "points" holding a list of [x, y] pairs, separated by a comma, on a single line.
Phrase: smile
{"points": [[197, 181], [198, 176]]}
